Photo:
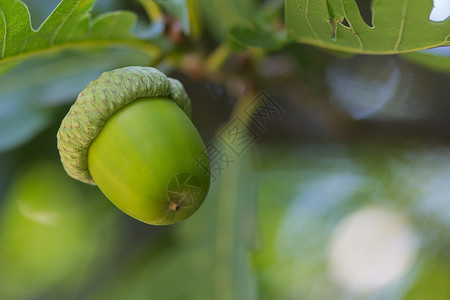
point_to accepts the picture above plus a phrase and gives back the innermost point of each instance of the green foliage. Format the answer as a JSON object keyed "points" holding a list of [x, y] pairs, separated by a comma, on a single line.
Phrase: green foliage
{"points": [[398, 26], [25, 95], [69, 26]]}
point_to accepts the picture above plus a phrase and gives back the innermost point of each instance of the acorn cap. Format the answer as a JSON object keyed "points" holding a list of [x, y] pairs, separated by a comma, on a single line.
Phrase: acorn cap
{"points": [[99, 100]]}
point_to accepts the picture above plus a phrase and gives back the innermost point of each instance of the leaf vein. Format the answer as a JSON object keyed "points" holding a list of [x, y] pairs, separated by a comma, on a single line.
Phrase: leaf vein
{"points": [[25, 42], [309, 22], [394, 25], [55, 34], [72, 33], [4, 35], [402, 24], [361, 46]]}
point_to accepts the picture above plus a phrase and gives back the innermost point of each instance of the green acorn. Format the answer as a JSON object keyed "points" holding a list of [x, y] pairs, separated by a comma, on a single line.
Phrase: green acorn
{"points": [[129, 132]]}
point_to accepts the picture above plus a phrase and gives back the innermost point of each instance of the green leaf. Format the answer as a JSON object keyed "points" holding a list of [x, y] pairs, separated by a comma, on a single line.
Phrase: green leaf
{"points": [[113, 25], [51, 78], [60, 25], [14, 27], [398, 26], [69, 26]]}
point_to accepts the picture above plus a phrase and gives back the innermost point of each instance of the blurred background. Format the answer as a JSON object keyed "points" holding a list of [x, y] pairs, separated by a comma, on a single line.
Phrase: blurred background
{"points": [[341, 193]]}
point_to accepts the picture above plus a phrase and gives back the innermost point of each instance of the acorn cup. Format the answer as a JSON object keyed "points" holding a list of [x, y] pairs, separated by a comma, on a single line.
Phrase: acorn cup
{"points": [[129, 132]]}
